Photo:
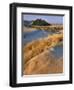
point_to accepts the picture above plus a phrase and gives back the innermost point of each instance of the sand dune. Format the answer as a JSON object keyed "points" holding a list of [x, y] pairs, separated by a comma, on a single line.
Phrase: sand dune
{"points": [[43, 63], [37, 58], [38, 46]]}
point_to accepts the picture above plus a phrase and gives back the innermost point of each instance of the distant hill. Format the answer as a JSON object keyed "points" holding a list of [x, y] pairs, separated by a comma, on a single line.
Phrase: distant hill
{"points": [[38, 22]]}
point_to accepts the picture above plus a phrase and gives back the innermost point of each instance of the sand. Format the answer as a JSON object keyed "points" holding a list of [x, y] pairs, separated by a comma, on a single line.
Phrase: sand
{"points": [[37, 59], [43, 63]]}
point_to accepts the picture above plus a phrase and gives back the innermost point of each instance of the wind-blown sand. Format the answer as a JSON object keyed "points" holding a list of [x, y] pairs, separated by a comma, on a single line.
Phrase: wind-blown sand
{"points": [[37, 59], [43, 63]]}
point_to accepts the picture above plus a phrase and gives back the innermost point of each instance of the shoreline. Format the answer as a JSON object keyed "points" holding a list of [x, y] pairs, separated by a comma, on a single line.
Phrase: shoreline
{"points": [[49, 28]]}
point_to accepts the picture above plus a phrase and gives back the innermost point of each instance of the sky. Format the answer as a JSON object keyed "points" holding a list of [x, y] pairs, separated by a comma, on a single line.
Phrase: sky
{"points": [[55, 19]]}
